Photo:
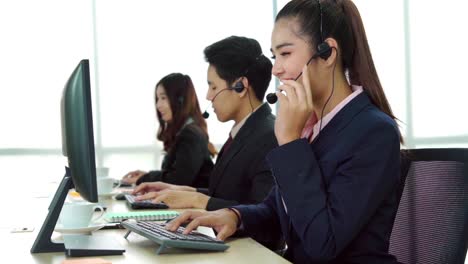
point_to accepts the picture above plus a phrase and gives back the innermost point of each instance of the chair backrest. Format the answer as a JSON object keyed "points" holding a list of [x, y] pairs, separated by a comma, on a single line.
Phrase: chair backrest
{"points": [[431, 221]]}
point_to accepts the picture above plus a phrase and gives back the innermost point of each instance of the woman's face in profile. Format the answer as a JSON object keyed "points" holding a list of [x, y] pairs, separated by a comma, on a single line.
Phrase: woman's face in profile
{"points": [[290, 51], [163, 105]]}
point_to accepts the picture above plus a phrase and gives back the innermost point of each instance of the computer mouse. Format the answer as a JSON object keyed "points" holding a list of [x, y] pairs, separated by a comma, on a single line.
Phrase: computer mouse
{"points": [[120, 196]]}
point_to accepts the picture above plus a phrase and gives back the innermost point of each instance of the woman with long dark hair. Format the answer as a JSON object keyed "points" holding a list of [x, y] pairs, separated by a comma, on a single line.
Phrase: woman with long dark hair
{"points": [[337, 166], [183, 132]]}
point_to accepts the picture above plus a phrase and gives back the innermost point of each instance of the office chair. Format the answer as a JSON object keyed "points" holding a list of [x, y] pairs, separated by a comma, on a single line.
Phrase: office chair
{"points": [[431, 220]]}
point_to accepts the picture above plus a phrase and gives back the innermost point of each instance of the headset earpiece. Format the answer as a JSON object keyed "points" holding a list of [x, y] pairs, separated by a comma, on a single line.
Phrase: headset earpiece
{"points": [[238, 87], [324, 50], [180, 99]]}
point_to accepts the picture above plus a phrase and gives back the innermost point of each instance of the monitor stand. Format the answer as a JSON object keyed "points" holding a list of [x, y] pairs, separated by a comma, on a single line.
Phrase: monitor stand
{"points": [[43, 242], [91, 245], [77, 245]]}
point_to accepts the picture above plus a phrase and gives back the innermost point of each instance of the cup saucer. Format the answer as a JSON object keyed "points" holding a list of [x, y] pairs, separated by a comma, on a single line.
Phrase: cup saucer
{"points": [[78, 230]]}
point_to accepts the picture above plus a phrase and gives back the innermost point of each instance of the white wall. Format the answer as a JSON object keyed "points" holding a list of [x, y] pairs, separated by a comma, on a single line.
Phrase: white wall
{"points": [[418, 48], [131, 45]]}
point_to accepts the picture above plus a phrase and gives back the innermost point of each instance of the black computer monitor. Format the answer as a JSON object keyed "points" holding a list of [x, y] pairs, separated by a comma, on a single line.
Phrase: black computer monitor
{"points": [[77, 131], [78, 147]]}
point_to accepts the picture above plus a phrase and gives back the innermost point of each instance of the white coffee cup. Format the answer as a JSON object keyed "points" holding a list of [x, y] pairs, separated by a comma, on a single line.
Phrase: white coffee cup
{"points": [[102, 172], [105, 185], [79, 214]]}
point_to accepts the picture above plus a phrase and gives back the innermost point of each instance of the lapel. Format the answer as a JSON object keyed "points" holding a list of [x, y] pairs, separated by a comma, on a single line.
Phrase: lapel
{"points": [[326, 137], [250, 126], [330, 132], [283, 216]]}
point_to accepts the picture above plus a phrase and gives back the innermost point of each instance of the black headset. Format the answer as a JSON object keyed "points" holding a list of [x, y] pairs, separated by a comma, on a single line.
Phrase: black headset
{"points": [[323, 51], [239, 85], [180, 99], [323, 48]]}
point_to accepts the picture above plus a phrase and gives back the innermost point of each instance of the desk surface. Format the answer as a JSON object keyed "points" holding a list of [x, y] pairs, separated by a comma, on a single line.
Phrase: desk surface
{"points": [[16, 246]]}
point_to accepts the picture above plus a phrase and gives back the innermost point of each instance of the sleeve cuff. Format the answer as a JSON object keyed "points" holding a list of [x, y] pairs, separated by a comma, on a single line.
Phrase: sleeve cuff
{"points": [[203, 190], [217, 203]]}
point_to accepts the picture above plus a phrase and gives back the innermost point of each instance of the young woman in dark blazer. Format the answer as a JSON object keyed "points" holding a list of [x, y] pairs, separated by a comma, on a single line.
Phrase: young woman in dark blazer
{"points": [[183, 131], [338, 162]]}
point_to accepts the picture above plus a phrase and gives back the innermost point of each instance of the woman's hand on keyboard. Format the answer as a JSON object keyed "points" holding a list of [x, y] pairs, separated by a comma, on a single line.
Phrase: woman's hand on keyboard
{"points": [[159, 186], [177, 199], [224, 221], [133, 176]]}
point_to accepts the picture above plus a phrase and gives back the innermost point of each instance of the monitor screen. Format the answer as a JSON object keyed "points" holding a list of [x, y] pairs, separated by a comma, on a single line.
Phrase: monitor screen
{"points": [[78, 147], [77, 131]]}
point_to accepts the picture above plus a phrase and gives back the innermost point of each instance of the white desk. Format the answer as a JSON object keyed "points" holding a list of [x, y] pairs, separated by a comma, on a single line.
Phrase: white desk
{"points": [[16, 246]]}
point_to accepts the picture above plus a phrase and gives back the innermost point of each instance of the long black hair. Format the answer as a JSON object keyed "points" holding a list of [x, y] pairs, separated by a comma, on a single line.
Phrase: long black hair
{"points": [[340, 20], [184, 105]]}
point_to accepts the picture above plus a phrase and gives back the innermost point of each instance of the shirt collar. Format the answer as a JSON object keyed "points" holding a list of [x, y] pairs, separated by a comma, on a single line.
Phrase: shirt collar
{"points": [[236, 128], [328, 117]]}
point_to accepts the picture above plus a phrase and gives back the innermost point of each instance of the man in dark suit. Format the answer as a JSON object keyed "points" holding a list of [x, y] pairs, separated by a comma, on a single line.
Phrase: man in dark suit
{"points": [[238, 77]]}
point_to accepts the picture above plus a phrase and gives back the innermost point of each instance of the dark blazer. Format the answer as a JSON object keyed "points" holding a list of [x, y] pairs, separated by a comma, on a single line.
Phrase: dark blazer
{"points": [[241, 175], [188, 162], [340, 191]]}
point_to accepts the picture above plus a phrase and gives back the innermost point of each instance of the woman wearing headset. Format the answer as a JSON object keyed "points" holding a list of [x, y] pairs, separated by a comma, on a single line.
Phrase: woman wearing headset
{"points": [[183, 131], [337, 165]]}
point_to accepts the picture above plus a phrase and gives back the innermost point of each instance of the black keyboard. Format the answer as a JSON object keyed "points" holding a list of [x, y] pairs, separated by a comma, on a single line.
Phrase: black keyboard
{"points": [[156, 232], [145, 204]]}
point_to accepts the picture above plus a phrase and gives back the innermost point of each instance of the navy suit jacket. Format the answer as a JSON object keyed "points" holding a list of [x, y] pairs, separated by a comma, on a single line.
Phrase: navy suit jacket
{"points": [[241, 174], [339, 191]]}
